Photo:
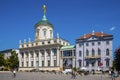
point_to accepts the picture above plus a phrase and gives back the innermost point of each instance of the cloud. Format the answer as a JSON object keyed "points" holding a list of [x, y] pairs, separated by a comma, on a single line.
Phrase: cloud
{"points": [[112, 28]]}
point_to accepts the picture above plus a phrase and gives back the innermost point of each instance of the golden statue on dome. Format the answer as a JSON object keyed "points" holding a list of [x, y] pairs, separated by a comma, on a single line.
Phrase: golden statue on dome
{"points": [[44, 9]]}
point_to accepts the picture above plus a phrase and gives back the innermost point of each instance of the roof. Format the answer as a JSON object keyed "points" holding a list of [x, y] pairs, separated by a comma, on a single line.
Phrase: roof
{"points": [[97, 34], [44, 22], [6, 51], [68, 47]]}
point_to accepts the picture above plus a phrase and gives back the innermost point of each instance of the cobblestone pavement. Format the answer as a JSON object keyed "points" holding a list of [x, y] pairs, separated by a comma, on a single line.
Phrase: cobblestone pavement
{"points": [[50, 76]]}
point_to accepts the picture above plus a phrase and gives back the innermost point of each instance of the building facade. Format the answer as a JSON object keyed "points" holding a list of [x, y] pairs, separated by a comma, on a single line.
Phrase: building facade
{"points": [[44, 52], [68, 57], [7, 52], [94, 51]]}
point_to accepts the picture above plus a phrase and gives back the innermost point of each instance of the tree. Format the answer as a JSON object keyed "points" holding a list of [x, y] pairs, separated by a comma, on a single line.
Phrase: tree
{"points": [[117, 59], [13, 60], [1, 60]]}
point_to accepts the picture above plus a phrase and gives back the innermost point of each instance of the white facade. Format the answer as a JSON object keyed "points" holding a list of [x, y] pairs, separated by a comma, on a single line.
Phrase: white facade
{"points": [[44, 52], [94, 51]]}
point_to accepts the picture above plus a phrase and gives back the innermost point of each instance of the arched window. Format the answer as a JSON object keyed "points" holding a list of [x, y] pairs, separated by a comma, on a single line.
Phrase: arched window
{"points": [[87, 52], [107, 52], [99, 52], [44, 32], [93, 52]]}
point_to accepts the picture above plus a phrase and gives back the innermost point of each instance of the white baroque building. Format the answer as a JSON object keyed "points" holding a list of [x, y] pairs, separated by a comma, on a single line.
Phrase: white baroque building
{"points": [[44, 52], [94, 51]]}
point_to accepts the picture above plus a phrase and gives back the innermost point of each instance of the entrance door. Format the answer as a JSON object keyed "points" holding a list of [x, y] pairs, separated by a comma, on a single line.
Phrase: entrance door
{"points": [[37, 65]]}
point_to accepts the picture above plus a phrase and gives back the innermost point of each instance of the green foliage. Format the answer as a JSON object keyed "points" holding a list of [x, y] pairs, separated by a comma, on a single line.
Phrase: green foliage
{"points": [[74, 69], [6, 64], [13, 60], [1, 60], [117, 59]]}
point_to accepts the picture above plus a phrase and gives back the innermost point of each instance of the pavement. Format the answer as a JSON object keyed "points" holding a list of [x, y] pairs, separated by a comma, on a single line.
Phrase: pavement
{"points": [[50, 76]]}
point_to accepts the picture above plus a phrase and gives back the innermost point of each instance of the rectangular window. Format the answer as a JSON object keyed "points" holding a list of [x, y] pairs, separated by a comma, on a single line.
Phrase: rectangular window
{"points": [[80, 53], [22, 54], [80, 63], [87, 44], [26, 55], [42, 42], [48, 52], [42, 63], [93, 43], [87, 64], [99, 43], [55, 52], [27, 63], [80, 44], [93, 64], [42, 53], [107, 42], [55, 62], [67, 53], [107, 63], [31, 63], [31, 55], [48, 62], [37, 55], [22, 64]]}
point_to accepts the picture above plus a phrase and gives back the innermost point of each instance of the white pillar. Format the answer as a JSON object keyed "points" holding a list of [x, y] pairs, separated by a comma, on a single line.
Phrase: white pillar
{"points": [[40, 60], [51, 58], [61, 59], [58, 57], [45, 57], [29, 59], [24, 59], [20, 59], [34, 59]]}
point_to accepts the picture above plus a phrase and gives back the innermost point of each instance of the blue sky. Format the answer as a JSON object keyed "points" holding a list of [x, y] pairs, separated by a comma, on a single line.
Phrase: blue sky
{"points": [[71, 19]]}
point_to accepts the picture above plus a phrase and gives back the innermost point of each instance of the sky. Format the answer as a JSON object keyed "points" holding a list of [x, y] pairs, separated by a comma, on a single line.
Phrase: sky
{"points": [[70, 18]]}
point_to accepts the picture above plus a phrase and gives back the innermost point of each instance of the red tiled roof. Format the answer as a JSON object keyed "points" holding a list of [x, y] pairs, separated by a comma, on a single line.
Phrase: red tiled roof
{"points": [[98, 34]]}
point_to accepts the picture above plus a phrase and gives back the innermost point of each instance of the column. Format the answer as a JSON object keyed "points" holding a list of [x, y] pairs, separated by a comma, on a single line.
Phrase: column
{"points": [[29, 59], [45, 57], [40, 59], [61, 59], [20, 59], [24, 60], [58, 56], [34, 59], [51, 58]]}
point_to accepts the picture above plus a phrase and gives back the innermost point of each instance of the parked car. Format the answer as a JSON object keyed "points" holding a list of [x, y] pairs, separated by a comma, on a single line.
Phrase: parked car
{"points": [[67, 71]]}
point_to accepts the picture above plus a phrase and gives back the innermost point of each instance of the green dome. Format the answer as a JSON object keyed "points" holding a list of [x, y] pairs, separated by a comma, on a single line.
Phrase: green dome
{"points": [[44, 22]]}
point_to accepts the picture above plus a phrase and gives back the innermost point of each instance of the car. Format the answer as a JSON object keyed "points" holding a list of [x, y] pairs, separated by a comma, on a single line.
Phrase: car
{"points": [[67, 71]]}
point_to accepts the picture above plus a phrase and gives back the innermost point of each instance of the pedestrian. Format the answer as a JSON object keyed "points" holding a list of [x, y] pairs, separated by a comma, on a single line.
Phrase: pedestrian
{"points": [[14, 73], [109, 72], [113, 75], [72, 74]]}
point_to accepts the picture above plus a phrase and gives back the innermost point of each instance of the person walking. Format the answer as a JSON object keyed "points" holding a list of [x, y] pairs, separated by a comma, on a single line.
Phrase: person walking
{"points": [[14, 73], [72, 74]]}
